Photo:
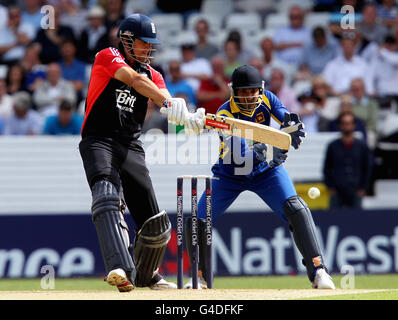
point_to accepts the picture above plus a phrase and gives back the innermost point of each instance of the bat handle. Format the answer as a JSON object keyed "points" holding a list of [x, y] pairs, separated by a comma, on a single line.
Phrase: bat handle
{"points": [[164, 110]]}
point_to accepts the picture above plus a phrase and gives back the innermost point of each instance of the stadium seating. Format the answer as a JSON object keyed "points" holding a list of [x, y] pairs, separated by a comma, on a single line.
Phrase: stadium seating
{"points": [[249, 22]]}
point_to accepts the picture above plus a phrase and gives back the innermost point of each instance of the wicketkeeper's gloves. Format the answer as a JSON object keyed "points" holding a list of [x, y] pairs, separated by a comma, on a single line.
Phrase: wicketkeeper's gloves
{"points": [[293, 125]]}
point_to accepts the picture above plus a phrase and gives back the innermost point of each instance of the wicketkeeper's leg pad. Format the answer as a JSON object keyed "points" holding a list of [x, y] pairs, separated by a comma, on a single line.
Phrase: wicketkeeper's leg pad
{"points": [[302, 225], [150, 246], [111, 228]]}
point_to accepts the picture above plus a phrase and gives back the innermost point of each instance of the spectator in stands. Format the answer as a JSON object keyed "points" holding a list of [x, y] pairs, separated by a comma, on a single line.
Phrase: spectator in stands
{"points": [[231, 57], [14, 37], [65, 122], [347, 166], [15, 79], [3, 16], [23, 120], [245, 53], [370, 28], [32, 15], [340, 71], [73, 70], [258, 63], [114, 13], [175, 83], [6, 102], [385, 68], [346, 105], [214, 92], [194, 69], [318, 52], [52, 91], [271, 61], [289, 41], [388, 12], [203, 48], [73, 15], [319, 107], [50, 39], [35, 71], [94, 37], [285, 94], [154, 119], [364, 107]]}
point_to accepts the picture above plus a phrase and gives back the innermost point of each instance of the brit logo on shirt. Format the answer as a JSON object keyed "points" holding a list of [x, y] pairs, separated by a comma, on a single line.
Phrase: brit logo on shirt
{"points": [[259, 118], [124, 100]]}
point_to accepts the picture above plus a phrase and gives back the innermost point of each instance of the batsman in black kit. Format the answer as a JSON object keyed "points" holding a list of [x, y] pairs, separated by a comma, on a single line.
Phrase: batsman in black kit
{"points": [[121, 83]]}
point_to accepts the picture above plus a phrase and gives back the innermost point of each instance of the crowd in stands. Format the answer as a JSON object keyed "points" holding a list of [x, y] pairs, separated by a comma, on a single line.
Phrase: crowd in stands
{"points": [[317, 72]]}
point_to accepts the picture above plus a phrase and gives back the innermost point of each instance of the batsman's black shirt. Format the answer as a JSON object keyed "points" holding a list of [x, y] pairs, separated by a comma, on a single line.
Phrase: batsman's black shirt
{"points": [[114, 109]]}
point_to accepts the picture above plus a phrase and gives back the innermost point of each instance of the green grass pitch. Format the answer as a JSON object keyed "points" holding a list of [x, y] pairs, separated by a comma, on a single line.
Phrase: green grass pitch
{"points": [[389, 281]]}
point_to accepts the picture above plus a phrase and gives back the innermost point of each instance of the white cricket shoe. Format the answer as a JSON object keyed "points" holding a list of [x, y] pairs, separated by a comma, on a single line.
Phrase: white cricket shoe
{"points": [[118, 278], [162, 284], [201, 285], [323, 280]]}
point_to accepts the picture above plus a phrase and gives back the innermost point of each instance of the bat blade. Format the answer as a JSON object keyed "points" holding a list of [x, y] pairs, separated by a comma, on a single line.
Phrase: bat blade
{"points": [[249, 130]]}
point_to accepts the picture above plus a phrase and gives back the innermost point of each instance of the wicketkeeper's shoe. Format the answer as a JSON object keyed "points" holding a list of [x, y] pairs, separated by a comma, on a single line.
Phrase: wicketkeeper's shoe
{"points": [[118, 278], [322, 280], [161, 284], [201, 285]]}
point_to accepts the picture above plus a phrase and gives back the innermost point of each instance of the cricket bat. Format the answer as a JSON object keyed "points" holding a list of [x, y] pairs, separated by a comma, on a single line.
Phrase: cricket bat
{"points": [[249, 130]]}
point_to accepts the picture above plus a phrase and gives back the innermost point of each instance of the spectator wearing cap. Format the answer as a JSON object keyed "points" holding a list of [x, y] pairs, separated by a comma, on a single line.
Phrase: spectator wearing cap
{"points": [[73, 69], [289, 41], [94, 37], [65, 122], [347, 66], [319, 107], [194, 69], [385, 68], [51, 39], [318, 52], [14, 37], [370, 28], [175, 82], [52, 91], [23, 120], [204, 49]]}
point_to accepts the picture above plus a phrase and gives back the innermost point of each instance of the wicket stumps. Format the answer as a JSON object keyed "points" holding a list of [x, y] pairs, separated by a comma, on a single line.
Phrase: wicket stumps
{"points": [[195, 236]]}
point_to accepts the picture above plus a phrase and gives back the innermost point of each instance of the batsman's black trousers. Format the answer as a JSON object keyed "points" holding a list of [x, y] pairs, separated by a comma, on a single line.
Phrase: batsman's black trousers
{"points": [[123, 164]]}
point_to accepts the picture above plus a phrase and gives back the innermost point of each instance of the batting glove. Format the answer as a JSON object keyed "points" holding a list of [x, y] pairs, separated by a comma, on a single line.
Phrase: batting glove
{"points": [[176, 110], [292, 125], [194, 122]]}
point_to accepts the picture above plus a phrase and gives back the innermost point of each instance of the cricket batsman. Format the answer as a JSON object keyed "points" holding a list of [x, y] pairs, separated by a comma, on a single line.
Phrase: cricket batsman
{"points": [[264, 176], [121, 83]]}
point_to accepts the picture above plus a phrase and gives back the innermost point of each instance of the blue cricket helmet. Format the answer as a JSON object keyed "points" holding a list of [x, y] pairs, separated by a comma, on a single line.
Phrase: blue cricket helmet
{"points": [[139, 26]]}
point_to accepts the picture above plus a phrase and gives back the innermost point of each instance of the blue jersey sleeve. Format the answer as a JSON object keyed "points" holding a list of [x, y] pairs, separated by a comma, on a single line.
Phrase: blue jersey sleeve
{"points": [[278, 110]]}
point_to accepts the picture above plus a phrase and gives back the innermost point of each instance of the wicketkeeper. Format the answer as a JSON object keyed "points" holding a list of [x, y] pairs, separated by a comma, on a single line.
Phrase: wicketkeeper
{"points": [[121, 83], [262, 173]]}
